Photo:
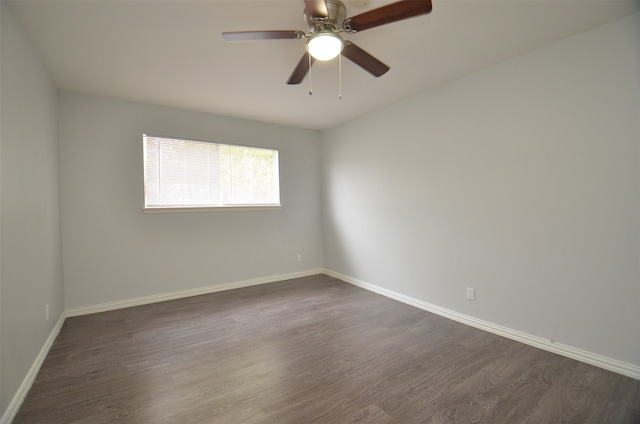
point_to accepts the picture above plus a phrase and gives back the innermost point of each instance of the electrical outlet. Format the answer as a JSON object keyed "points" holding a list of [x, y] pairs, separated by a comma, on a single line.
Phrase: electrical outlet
{"points": [[471, 293], [46, 312], [299, 257]]}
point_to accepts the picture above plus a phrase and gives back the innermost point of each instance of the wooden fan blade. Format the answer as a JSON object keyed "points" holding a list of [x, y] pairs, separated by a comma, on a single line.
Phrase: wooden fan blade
{"points": [[387, 14], [364, 59], [301, 69], [237, 36], [316, 8]]}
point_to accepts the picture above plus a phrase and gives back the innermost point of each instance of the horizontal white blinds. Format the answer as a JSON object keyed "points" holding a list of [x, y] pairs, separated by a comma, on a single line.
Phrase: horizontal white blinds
{"points": [[185, 173]]}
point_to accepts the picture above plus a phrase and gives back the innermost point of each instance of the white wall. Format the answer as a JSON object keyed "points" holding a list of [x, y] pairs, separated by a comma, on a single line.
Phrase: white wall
{"points": [[522, 180], [113, 251], [30, 244]]}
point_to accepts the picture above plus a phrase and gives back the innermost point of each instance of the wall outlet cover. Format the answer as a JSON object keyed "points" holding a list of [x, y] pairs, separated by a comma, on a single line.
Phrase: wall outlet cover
{"points": [[471, 293]]}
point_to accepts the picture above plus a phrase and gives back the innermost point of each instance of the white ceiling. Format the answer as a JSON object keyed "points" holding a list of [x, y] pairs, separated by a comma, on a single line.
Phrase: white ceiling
{"points": [[171, 52]]}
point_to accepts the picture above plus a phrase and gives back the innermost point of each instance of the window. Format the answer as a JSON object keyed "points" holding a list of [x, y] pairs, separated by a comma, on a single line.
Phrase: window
{"points": [[198, 174]]}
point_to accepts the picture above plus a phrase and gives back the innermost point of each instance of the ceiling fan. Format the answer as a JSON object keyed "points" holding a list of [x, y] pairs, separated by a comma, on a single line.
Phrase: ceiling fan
{"points": [[325, 22]]}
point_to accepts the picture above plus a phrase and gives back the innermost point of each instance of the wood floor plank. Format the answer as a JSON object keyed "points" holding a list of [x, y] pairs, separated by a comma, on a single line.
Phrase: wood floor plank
{"points": [[310, 350]]}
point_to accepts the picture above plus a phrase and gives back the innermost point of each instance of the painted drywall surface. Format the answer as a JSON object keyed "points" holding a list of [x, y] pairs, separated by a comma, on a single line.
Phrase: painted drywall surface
{"points": [[30, 208], [522, 181], [113, 251]]}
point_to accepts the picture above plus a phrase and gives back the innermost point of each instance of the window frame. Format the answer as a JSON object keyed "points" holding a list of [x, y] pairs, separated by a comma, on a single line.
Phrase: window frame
{"points": [[205, 208]]}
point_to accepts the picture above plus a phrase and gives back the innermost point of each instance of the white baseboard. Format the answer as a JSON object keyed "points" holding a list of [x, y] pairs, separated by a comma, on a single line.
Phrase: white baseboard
{"points": [[17, 400], [604, 362], [127, 303]]}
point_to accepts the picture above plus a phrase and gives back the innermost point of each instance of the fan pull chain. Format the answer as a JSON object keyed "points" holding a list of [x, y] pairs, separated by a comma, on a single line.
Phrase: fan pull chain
{"points": [[310, 90], [340, 77]]}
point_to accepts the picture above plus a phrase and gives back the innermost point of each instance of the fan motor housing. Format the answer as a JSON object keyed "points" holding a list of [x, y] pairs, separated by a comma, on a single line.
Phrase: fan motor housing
{"points": [[336, 14]]}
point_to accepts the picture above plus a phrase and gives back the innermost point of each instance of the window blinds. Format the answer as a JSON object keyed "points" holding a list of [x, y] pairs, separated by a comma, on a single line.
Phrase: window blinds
{"points": [[186, 173]]}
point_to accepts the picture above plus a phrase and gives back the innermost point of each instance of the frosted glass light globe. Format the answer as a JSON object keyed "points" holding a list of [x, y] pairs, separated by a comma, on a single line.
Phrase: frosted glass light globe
{"points": [[324, 45]]}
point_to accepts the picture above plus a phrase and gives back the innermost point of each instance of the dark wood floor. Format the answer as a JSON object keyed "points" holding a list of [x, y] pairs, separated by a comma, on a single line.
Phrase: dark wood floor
{"points": [[311, 350]]}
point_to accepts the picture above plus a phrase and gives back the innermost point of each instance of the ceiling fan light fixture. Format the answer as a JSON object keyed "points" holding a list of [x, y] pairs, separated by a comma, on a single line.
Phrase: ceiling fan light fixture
{"points": [[324, 45]]}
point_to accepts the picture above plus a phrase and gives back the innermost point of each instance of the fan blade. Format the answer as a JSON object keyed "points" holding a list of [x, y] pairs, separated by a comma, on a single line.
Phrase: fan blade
{"points": [[387, 14], [237, 36], [364, 59], [316, 8], [301, 69]]}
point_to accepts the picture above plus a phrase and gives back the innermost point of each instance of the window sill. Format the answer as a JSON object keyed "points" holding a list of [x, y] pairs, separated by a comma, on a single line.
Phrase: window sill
{"points": [[234, 208]]}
